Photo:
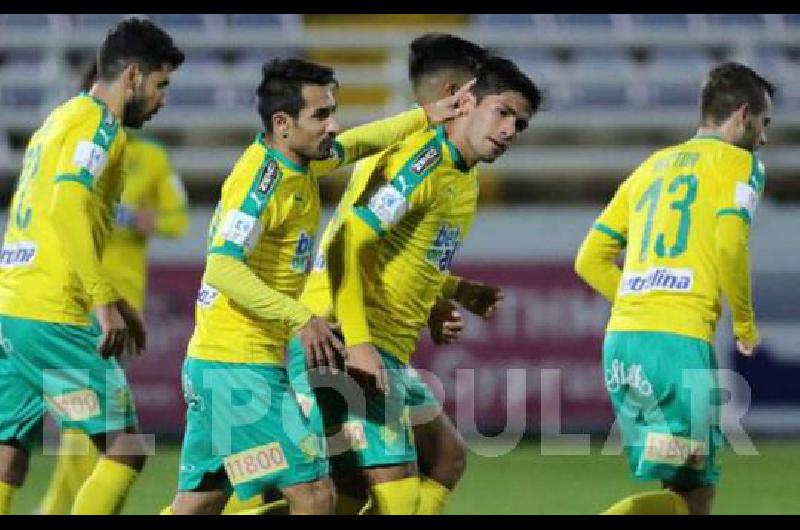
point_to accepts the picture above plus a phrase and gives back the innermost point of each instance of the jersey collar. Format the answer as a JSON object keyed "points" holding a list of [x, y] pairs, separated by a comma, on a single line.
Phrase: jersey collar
{"points": [[455, 154], [280, 157], [707, 136], [106, 111]]}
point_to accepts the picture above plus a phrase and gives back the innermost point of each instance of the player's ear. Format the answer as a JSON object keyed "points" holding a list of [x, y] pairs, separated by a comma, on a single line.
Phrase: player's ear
{"points": [[129, 77], [280, 123], [467, 102]]}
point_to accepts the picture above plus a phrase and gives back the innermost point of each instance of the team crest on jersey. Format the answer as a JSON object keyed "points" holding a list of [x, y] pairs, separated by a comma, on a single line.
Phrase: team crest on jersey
{"points": [[269, 177], [426, 160], [441, 253]]}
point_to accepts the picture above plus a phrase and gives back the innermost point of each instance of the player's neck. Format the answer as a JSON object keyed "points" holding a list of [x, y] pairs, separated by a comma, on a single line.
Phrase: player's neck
{"points": [[725, 131], [289, 154], [112, 96], [458, 139]]}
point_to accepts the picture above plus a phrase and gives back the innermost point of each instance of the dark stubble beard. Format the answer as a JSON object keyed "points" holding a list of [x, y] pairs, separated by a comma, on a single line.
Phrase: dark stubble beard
{"points": [[749, 139], [134, 113]]}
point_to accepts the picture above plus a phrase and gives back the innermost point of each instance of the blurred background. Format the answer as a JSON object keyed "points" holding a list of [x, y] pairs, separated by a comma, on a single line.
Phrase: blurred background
{"points": [[617, 87]]}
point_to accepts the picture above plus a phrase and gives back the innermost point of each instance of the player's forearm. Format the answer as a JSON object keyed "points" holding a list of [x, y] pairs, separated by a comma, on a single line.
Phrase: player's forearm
{"points": [[173, 223], [235, 280], [74, 231], [348, 296], [596, 264], [733, 261], [366, 140]]}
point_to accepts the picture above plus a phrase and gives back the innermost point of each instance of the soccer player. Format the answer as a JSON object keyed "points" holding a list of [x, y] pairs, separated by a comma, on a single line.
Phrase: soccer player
{"points": [[153, 204], [51, 353], [260, 243], [683, 217], [438, 64], [383, 260]]}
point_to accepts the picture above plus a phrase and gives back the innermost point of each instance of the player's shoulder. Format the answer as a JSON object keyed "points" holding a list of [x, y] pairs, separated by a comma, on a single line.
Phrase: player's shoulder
{"points": [[257, 168], [417, 144], [86, 115]]}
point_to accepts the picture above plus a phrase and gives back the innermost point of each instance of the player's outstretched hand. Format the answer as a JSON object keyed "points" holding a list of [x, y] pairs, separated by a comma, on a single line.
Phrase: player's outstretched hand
{"points": [[747, 349], [445, 322], [115, 335], [447, 108], [323, 348], [364, 364], [135, 323], [478, 298]]}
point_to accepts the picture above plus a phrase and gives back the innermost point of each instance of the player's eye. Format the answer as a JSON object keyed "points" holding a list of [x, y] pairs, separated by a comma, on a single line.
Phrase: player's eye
{"points": [[521, 125]]}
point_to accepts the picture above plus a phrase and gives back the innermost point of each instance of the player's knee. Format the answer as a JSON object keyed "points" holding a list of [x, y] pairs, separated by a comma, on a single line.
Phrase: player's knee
{"points": [[315, 498], [324, 497], [14, 461]]}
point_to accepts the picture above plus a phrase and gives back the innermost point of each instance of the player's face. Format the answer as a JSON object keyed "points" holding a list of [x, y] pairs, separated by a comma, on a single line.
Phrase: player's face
{"points": [[149, 95], [311, 135], [755, 128], [495, 122]]}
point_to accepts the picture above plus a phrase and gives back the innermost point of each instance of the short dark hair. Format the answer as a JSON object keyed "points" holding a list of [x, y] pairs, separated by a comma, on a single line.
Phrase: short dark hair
{"points": [[282, 83], [729, 86], [435, 52], [498, 75], [136, 40]]}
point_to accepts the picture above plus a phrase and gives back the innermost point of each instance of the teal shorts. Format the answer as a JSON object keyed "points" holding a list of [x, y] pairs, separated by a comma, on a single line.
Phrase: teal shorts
{"points": [[361, 431], [664, 391], [56, 367], [244, 418]]}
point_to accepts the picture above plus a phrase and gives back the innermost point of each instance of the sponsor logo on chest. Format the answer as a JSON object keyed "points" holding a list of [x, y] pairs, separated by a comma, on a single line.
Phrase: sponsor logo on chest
{"points": [[444, 246]]}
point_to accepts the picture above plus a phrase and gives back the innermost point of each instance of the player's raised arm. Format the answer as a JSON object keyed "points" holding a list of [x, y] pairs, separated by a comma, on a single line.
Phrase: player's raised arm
{"points": [[739, 197], [595, 262], [371, 138]]}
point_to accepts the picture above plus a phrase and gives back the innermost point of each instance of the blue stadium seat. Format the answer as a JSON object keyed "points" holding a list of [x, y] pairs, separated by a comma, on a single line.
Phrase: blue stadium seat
{"points": [[605, 95], [192, 96], [180, 21], [22, 61], [20, 20], [672, 95], [504, 19], [26, 97], [601, 58], [791, 20], [262, 20], [585, 20], [683, 61], [736, 20], [673, 21], [98, 20], [538, 63], [201, 60]]}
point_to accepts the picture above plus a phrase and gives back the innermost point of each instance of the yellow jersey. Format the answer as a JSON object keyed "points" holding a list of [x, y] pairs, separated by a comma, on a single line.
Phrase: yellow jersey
{"points": [[61, 215], [665, 214], [418, 199], [150, 184], [267, 218]]}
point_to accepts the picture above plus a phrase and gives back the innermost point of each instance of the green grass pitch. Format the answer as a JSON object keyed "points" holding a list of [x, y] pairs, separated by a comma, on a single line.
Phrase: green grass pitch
{"points": [[522, 482]]}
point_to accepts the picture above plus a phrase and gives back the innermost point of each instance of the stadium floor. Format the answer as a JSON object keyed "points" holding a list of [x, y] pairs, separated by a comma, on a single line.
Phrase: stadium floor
{"points": [[523, 482]]}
